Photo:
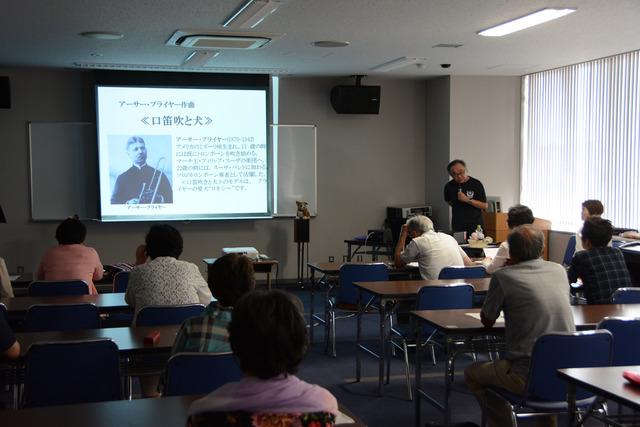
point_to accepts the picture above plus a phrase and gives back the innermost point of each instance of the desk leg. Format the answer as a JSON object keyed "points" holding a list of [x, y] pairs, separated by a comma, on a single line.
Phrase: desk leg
{"points": [[448, 380], [269, 280], [417, 394], [358, 335], [311, 299], [383, 351], [571, 405]]}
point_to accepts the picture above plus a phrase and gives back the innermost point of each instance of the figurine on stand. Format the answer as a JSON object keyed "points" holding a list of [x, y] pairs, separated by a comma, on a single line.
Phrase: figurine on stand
{"points": [[303, 210]]}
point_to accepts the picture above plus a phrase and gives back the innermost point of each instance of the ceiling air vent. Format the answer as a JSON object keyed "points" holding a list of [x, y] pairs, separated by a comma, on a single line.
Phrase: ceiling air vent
{"points": [[198, 39]]}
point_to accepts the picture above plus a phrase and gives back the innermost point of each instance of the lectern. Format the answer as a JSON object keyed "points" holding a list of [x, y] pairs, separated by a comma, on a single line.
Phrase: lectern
{"points": [[495, 225], [301, 238]]}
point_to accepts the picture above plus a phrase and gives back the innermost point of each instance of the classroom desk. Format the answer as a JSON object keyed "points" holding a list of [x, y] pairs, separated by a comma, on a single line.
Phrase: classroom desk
{"points": [[390, 294], [260, 266], [329, 272], [459, 327], [130, 340], [377, 248], [161, 412], [605, 382], [106, 303]]}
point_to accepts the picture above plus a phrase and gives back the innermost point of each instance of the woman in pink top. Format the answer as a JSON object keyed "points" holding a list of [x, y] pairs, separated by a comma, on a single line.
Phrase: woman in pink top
{"points": [[71, 259]]}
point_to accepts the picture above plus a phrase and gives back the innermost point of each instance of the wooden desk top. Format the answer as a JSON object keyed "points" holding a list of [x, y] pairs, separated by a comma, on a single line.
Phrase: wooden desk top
{"points": [[102, 301], [459, 321], [128, 339], [333, 268], [607, 382], [401, 288], [162, 412]]}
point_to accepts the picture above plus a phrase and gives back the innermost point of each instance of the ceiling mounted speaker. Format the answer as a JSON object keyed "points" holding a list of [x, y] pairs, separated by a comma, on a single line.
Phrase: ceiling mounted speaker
{"points": [[202, 39]]}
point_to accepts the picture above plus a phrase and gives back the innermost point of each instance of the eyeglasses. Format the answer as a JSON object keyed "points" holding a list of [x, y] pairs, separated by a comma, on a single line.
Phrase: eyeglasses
{"points": [[454, 174]]}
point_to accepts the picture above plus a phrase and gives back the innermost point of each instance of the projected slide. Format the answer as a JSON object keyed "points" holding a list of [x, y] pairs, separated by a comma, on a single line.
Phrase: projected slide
{"points": [[182, 153]]}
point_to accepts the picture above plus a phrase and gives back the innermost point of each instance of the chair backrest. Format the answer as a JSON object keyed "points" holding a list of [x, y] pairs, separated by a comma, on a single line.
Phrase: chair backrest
{"points": [[565, 350], [626, 339], [62, 317], [66, 372], [3, 311], [249, 419], [445, 297], [349, 273], [570, 250], [49, 288], [199, 373], [626, 296], [120, 281], [475, 272], [156, 315]]}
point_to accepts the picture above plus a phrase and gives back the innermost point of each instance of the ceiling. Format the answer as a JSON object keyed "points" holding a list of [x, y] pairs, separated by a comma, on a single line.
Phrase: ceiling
{"points": [[46, 34]]}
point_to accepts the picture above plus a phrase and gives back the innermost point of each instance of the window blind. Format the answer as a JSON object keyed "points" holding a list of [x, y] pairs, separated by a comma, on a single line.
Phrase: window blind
{"points": [[581, 140]]}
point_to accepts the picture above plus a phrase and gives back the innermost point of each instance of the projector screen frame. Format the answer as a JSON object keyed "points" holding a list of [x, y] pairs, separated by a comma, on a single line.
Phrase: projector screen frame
{"points": [[164, 80]]}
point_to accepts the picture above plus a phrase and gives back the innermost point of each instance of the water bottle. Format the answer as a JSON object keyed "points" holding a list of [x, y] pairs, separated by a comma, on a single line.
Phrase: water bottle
{"points": [[479, 233]]}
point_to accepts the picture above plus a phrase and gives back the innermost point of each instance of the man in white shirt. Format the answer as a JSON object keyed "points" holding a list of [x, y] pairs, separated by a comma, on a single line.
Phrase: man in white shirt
{"points": [[432, 250]]}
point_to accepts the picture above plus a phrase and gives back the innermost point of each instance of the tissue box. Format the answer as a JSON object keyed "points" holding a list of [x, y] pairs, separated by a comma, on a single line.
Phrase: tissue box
{"points": [[251, 253]]}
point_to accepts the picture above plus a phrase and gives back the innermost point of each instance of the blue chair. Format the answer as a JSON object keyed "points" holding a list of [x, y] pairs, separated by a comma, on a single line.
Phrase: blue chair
{"points": [[440, 297], [157, 315], [120, 281], [626, 296], [475, 272], [347, 296], [199, 373], [62, 317], [545, 393], [3, 311], [569, 251], [48, 288], [626, 339], [66, 372]]}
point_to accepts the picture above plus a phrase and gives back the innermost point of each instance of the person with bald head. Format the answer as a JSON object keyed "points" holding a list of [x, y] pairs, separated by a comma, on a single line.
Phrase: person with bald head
{"points": [[532, 295]]}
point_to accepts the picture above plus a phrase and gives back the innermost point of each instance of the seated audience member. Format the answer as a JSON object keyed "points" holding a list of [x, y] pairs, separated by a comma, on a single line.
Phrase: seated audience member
{"points": [[601, 268], [432, 250], [518, 215], [590, 208], [71, 259], [165, 280], [268, 336], [231, 278], [527, 292], [9, 347], [6, 289]]}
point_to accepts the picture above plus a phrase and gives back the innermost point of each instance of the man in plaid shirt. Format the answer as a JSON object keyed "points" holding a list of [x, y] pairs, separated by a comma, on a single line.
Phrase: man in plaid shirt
{"points": [[232, 277], [601, 268]]}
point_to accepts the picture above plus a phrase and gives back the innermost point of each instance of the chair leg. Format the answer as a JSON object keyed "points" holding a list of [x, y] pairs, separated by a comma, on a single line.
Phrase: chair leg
{"points": [[433, 354], [406, 367], [333, 333]]}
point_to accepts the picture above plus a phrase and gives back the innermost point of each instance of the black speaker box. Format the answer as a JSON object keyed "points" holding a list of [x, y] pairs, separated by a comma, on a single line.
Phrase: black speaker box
{"points": [[5, 93], [356, 99], [301, 230]]}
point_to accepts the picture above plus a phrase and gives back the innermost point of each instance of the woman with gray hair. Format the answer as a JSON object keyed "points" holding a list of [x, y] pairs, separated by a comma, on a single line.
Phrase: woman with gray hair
{"points": [[432, 250]]}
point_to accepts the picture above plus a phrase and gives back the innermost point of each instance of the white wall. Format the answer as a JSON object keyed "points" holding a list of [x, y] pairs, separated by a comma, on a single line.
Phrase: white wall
{"points": [[365, 163], [485, 132]]}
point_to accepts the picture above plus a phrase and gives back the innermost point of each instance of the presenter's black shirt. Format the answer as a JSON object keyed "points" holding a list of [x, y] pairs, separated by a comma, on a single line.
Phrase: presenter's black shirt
{"points": [[129, 185], [464, 216]]}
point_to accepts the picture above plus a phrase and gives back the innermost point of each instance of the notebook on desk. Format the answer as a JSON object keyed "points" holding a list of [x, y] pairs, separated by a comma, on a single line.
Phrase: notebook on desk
{"points": [[490, 252]]}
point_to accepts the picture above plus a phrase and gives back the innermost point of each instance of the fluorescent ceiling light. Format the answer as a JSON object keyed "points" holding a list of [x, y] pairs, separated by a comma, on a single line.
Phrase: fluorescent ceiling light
{"points": [[252, 13], [394, 64], [527, 21]]}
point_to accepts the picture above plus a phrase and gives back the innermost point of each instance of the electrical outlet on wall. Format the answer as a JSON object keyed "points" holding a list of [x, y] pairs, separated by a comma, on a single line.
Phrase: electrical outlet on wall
{"points": [[332, 259]]}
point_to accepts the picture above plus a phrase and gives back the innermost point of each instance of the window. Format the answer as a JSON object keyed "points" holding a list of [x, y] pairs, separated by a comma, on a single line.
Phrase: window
{"points": [[581, 140]]}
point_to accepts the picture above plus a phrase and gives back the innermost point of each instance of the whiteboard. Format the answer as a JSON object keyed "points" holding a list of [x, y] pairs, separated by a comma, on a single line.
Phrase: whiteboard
{"points": [[296, 173], [63, 170], [64, 176]]}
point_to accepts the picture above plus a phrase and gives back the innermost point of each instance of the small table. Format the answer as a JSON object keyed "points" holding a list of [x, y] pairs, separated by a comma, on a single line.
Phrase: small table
{"points": [[377, 248], [390, 294], [606, 382], [259, 266]]}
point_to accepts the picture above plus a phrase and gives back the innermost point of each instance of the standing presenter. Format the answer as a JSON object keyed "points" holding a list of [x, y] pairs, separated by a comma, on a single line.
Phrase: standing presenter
{"points": [[466, 196]]}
